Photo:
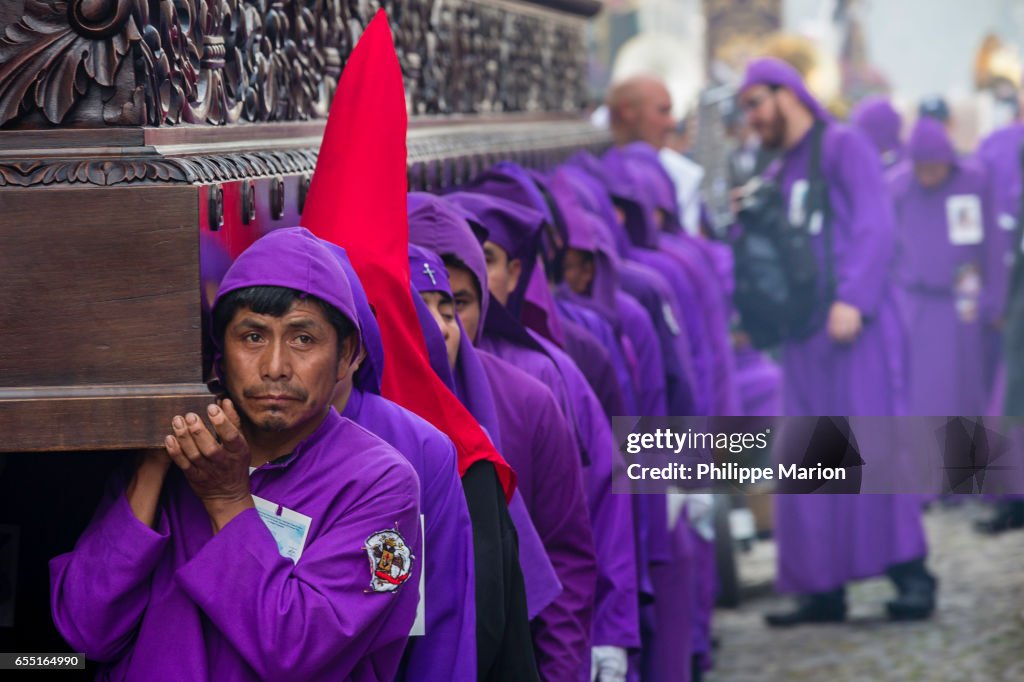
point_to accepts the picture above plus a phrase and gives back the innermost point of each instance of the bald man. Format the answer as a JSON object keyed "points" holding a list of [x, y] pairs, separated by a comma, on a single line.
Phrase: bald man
{"points": [[641, 110]]}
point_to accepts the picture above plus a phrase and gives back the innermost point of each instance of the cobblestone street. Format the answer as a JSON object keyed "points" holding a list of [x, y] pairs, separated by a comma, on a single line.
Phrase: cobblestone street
{"points": [[976, 635]]}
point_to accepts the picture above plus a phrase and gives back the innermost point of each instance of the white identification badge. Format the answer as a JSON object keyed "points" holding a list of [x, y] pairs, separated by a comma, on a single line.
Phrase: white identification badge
{"points": [[1007, 221], [963, 218], [288, 527], [419, 626], [797, 202]]}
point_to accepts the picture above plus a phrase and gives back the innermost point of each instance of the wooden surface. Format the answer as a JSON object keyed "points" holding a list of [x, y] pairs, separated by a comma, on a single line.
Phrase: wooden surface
{"points": [[99, 315]]}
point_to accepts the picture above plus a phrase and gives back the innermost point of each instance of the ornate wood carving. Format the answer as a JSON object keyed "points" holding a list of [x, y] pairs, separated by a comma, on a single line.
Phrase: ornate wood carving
{"points": [[166, 62], [458, 151]]}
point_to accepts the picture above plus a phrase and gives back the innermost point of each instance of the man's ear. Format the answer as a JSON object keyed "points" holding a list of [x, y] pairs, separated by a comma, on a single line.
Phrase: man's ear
{"points": [[515, 271], [346, 362]]}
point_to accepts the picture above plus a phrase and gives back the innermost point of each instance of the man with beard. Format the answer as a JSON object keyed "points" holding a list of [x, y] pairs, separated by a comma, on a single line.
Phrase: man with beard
{"points": [[851, 365], [248, 559]]}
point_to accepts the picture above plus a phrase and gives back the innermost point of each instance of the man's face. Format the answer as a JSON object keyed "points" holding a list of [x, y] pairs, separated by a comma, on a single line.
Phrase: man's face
{"points": [[281, 371], [467, 301], [764, 115], [654, 116], [661, 218], [502, 273], [443, 311], [578, 270], [931, 174]]}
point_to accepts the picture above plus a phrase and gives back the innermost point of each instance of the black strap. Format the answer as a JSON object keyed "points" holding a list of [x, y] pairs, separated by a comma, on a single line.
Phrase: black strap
{"points": [[817, 201]]}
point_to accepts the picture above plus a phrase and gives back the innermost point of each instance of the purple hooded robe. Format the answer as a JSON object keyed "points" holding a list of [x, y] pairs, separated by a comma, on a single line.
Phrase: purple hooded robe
{"points": [[538, 444], [624, 185], [647, 286], [826, 540], [705, 261], [622, 313], [447, 650], [469, 382], [615, 617], [944, 233], [877, 118], [233, 606]]}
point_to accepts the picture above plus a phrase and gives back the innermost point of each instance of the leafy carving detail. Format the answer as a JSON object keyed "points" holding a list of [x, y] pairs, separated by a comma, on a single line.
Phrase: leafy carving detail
{"points": [[216, 62], [48, 59]]}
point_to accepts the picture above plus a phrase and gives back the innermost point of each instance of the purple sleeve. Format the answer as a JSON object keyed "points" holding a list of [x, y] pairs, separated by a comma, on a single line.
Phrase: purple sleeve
{"points": [[448, 651], [995, 274], [1000, 242], [99, 591], [317, 618], [616, 614], [862, 270], [562, 630]]}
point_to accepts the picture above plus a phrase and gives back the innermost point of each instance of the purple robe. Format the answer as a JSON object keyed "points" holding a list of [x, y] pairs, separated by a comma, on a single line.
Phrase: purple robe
{"points": [[592, 359], [474, 391], [604, 334], [646, 285], [234, 605], [447, 650], [877, 118], [620, 311], [650, 186], [541, 448], [624, 184], [759, 384], [231, 604], [668, 621], [1000, 155], [615, 617], [942, 272], [827, 540], [548, 458]]}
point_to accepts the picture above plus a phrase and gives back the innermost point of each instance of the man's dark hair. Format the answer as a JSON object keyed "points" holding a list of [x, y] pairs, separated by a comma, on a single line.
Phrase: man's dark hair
{"points": [[452, 261], [274, 301]]}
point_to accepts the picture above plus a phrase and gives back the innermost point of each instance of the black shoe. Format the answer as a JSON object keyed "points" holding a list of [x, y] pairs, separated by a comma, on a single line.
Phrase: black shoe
{"points": [[917, 588], [822, 607], [1008, 516]]}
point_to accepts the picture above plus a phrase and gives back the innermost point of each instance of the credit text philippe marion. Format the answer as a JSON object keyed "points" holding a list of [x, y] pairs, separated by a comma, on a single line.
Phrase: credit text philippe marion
{"points": [[734, 473]]}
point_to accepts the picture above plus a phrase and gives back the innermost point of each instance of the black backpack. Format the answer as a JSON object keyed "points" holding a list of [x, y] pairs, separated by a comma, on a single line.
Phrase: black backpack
{"points": [[779, 293]]}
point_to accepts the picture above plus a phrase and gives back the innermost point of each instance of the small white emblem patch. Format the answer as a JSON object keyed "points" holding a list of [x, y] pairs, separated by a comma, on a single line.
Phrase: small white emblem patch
{"points": [[390, 560]]}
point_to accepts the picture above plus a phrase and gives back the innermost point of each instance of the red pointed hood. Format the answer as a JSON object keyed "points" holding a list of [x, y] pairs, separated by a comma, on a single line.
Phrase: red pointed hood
{"points": [[357, 199]]}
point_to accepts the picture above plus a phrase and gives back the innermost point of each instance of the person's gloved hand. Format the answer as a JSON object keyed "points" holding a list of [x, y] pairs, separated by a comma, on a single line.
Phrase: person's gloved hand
{"points": [[608, 664]]}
